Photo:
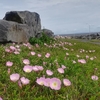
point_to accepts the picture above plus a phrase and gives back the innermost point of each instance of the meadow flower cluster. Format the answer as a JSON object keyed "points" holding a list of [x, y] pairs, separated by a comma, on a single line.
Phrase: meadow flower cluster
{"points": [[58, 69]]}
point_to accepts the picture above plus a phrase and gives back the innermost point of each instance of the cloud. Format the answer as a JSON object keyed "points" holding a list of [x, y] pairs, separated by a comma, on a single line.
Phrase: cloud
{"points": [[59, 15]]}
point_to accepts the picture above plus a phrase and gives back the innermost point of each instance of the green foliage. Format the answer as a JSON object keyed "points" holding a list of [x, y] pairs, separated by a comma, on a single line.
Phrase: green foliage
{"points": [[34, 40], [41, 40]]}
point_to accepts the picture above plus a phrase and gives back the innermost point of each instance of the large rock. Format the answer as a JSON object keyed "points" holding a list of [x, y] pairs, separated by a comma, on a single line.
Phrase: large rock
{"points": [[47, 32], [24, 22], [12, 31]]}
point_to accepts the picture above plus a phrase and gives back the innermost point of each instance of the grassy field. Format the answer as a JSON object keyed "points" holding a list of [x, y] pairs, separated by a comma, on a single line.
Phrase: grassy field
{"points": [[64, 70]]}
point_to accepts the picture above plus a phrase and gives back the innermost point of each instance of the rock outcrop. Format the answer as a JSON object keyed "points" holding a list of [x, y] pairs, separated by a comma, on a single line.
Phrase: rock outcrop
{"points": [[19, 26], [47, 32], [14, 32]]}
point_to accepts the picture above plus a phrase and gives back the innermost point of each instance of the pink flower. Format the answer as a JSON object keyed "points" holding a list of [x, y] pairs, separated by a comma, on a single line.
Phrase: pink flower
{"points": [[63, 67], [47, 55], [35, 68], [33, 53], [77, 56], [19, 84], [67, 54], [55, 84], [14, 77], [16, 52], [9, 63], [82, 61], [72, 49], [26, 61], [7, 50], [91, 58], [24, 80], [87, 56], [40, 81], [12, 48], [37, 45], [74, 61], [47, 82], [49, 72], [39, 55], [17, 46], [94, 77], [66, 82], [27, 68], [1, 98], [60, 70], [40, 68], [44, 63], [8, 70]]}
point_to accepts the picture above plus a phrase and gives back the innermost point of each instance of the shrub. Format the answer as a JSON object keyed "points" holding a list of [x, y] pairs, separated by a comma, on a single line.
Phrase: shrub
{"points": [[41, 40]]}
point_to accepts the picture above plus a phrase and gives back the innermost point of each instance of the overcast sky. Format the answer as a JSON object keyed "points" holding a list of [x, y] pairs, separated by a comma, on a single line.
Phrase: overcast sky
{"points": [[60, 16]]}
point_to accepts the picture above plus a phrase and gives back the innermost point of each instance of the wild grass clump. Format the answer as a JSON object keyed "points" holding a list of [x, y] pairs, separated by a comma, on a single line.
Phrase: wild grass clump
{"points": [[66, 69], [41, 40]]}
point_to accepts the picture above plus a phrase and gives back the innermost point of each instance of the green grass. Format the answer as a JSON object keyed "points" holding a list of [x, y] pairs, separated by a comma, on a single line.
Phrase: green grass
{"points": [[82, 87]]}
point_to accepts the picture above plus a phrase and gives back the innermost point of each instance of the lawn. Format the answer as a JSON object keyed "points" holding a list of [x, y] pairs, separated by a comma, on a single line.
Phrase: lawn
{"points": [[66, 69]]}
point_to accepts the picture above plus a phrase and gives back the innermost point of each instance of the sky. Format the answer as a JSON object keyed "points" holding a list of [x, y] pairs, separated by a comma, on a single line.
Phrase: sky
{"points": [[60, 16]]}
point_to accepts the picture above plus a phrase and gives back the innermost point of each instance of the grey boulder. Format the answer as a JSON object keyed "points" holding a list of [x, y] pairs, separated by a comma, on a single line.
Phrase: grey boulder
{"points": [[19, 26], [14, 32], [32, 19], [47, 32]]}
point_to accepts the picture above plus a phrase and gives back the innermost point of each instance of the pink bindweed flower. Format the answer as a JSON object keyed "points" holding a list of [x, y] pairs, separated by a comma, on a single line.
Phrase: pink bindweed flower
{"points": [[44, 63], [47, 55], [1, 98], [14, 77], [47, 82], [77, 56], [24, 80], [29, 47], [39, 55], [18, 49], [55, 84], [9, 63], [8, 70], [35, 68], [74, 62], [27, 68], [63, 67], [60, 70], [49, 72], [94, 77], [16, 52], [40, 68], [40, 80], [19, 84], [93, 50], [66, 82], [90, 51], [7, 50], [83, 61], [33, 53], [67, 54], [26, 61], [13, 43], [17, 46], [72, 49], [37, 45], [87, 56], [91, 58], [12, 48], [81, 51]]}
